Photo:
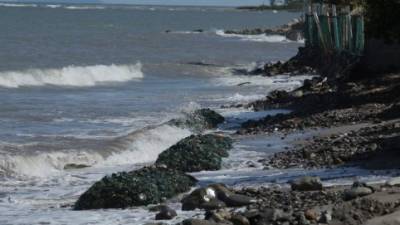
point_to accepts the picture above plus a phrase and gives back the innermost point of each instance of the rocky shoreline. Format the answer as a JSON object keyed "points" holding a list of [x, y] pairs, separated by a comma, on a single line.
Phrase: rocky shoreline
{"points": [[293, 31], [368, 106]]}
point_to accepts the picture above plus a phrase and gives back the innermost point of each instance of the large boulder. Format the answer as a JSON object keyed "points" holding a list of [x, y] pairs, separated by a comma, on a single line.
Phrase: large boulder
{"points": [[199, 120], [210, 117], [196, 153], [149, 185]]}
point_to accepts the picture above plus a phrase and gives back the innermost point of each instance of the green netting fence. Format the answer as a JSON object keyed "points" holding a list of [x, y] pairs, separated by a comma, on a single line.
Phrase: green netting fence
{"points": [[332, 31]]}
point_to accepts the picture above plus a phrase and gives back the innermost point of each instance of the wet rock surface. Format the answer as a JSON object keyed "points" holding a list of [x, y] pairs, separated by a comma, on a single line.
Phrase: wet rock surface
{"points": [[215, 196], [196, 153], [368, 147], [293, 31], [279, 206], [149, 185], [306, 184], [199, 120], [166, 213]]}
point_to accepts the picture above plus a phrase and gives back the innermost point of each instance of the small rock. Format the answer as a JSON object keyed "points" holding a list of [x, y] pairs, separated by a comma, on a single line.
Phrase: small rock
{"points": [[166, 213], [302, 220], [275, 215], [356, 192], [297, 94], [311, 215], [218, 215], [73, 166], [197, 198], [326, 217], [213, 204], [197, 222], [306, 184], [239, 220], [236, 200]]}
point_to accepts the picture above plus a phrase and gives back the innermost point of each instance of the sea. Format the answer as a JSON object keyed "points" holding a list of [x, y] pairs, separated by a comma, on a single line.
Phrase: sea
{"points": [[96, 85]]}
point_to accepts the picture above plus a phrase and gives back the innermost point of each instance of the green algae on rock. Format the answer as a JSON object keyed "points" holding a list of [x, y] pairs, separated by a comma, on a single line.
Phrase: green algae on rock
{"points": [[196, 153], [149, 185]]}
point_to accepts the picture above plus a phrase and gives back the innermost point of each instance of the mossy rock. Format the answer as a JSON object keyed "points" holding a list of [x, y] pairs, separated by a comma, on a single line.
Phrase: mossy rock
{"points": [[197, 153], [210, 117], [149, 185], [200, 119]]}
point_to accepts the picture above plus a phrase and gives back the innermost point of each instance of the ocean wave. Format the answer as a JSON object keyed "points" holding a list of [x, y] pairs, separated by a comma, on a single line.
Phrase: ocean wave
{"points": [[276, 82], [241, 98], [257, 38], [55, 6], [71, 76], [141, 146], [17, 5], [84, 7]]}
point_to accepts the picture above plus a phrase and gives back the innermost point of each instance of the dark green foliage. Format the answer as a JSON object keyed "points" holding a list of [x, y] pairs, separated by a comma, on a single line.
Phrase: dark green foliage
{"points": [[149, 185], [382, 19], [196, 153]]}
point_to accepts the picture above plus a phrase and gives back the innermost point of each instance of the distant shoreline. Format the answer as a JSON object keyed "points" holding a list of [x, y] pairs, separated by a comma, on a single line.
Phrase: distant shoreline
{"points": [[292, 6]]}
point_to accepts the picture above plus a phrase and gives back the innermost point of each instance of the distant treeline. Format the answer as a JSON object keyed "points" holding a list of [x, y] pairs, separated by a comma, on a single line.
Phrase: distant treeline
{"points": [[296, 5]]}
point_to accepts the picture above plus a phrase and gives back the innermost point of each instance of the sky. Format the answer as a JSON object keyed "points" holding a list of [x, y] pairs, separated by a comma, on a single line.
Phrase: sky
{"points": [[161, 2]]}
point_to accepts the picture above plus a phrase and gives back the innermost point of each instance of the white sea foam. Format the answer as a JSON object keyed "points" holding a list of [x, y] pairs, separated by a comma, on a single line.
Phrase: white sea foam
{"points": [[228, 78], [75, 7], [145, 146], [17, 5], [142, 146], [78, 76], [241, 98], [257, 38], [52, 6]]}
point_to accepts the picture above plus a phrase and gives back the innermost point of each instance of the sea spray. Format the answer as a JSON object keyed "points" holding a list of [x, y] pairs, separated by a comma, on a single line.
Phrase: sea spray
{"points": [[75, 76]]}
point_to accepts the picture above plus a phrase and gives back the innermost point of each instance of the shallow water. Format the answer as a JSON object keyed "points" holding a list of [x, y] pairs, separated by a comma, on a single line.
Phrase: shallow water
{"points": [[94, 85]]}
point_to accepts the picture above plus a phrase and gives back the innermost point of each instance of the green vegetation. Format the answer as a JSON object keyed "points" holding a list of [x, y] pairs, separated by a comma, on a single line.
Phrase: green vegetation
{"points": [[293, 5], [381, 20]]}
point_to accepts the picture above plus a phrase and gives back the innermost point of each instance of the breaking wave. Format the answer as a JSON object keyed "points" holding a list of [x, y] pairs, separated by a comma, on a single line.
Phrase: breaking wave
{"points": [[257, 38], [141, 146], [17, 5], [71, 76]]}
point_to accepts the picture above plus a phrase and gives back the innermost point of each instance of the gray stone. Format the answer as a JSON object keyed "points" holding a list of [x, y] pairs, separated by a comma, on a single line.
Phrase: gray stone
{"points": [[275, 215], [197, 198], [236, 200], [213, 204], [166, 213], [326, 217], [239, 220], [214, 196], [156, 224], [356, 192], [218, 215], [307, 184], [197, 222]]}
